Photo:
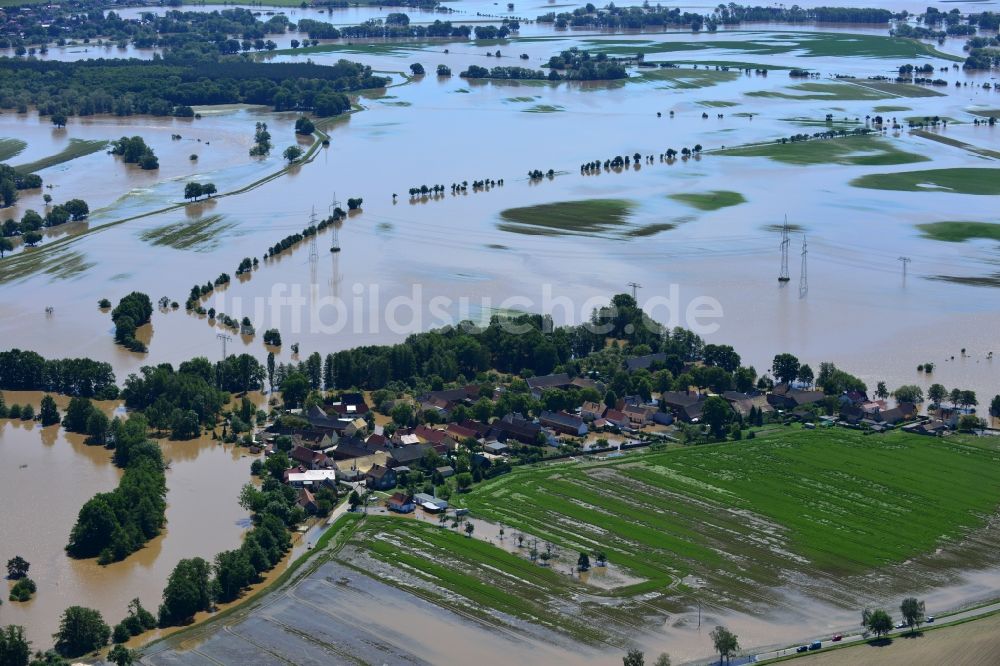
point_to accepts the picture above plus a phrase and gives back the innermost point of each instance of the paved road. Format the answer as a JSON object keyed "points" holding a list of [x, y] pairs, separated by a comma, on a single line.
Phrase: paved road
{"points": [[858, 638]]}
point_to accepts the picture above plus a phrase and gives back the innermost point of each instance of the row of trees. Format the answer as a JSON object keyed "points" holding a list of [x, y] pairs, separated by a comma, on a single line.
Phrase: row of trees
{"points": [[29, 371], [110, 526]]}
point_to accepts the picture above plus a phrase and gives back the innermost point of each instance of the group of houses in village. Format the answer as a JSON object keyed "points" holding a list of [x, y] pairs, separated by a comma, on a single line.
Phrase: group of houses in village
{"points": [[341, 443]]}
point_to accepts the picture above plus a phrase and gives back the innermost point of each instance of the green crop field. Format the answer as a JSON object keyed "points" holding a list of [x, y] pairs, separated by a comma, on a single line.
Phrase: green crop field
{"points": [[11, 148], [806, 44], [473, 576], [958, 232], [869, 90], [831, 501], [710, 200], [820, 506], [585, 218], [957, 181], [76, 148], [685, 79], [857, 150]]}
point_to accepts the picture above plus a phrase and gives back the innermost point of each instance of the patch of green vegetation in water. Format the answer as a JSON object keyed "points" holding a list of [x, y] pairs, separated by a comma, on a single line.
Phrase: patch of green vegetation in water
{"points": [[11, 148], [804, 44], [685, 79], [76, 148], [591, 217], [201, 235], [959, 232], [818, 91], [710, 200], [958, 181], [853, 150], [890, 109], [544, 108], [718, 104]]}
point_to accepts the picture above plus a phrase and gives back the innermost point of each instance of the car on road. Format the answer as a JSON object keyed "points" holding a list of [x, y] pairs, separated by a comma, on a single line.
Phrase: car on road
{"points": [[802, 648], [930, 618], [815, 645], [902, 625], [838, 637]]}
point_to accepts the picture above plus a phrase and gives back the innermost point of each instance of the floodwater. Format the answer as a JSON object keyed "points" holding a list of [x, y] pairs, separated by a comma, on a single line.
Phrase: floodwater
{"points": [[48, 474], [857, 305]]}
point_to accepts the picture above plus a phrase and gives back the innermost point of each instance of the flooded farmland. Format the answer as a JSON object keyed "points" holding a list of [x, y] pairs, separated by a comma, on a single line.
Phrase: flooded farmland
{"points": [[409, 263]]}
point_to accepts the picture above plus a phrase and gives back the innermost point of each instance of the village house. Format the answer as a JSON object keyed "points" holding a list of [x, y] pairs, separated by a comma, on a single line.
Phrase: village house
{"points": [[495, 448], [742, 403], [785, 397], [591, 411], [460, 433], [686, 405], [904, 411], [639, 415], [480, 428], [430, 503], [400, 503], [446, 471], [308, 458], [299, 477], [380, 478], [307, 501], [538, 384], [516, 427], [644, 362], [564, 423], [406, 455], [615, 418], [356, 428]]}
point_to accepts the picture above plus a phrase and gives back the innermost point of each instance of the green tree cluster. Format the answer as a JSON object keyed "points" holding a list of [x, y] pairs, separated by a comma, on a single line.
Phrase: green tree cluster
{"points": [[111, 526]]}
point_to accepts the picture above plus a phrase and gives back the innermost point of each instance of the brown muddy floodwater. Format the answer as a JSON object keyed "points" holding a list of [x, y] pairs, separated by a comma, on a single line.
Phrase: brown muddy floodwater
{"points": [[47, 474]]}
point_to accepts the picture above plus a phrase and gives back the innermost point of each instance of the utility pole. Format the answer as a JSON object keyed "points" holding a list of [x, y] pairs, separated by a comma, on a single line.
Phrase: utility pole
{"points": [[313, 252], [225, 338], [804, 277], [635, 290], [335, 239], [783, 275], [905, 261]]}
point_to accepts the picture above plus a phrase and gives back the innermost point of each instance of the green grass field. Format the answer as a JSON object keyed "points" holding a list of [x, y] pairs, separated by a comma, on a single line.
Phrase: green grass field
{"points": [[830, 502], [76, 148], [958, 181], [890, 109], [11, 148], [949, 141], [544, 108], [710, 200], [852, 150], [685, 79], [591, 217], [806, 44], [474, 576], [744, 517], [959, 232], [819, 91]]}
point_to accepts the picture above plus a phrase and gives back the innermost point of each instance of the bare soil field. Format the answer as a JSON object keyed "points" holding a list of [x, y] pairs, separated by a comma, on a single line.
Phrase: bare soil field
{"points": [[976, 642]]}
